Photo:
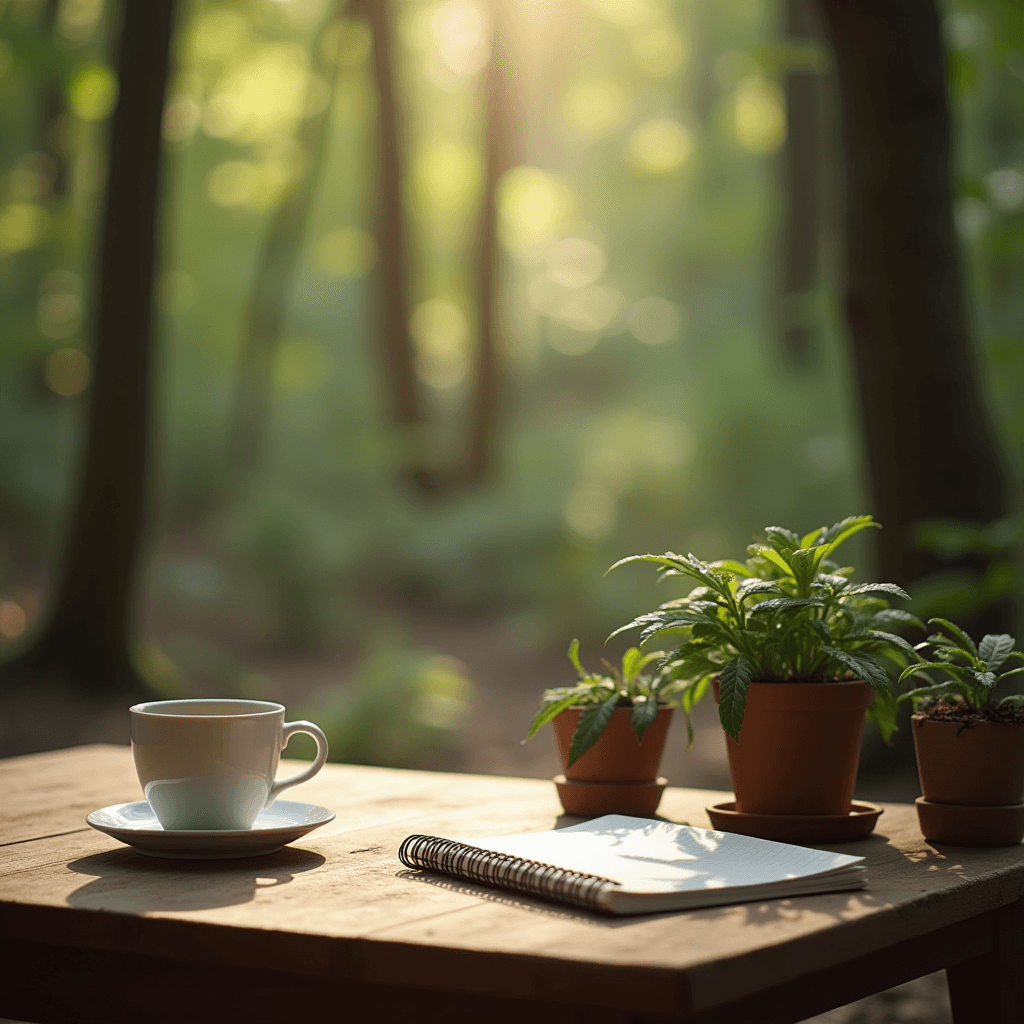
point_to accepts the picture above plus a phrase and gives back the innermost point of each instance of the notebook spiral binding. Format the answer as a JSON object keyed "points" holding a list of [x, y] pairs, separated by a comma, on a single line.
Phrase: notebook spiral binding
{"points": [[503, 871]]}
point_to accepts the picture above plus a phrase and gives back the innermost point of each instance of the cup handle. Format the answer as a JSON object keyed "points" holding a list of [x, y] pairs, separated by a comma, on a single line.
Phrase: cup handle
{"points": [[287, 731]]}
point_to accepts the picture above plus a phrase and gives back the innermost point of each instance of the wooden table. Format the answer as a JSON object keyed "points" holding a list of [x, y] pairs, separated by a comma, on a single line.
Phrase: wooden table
{"points": [[334, 928]]}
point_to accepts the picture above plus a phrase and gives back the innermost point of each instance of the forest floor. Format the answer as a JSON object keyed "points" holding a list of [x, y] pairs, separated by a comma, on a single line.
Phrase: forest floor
{"points": [[507, 679]]}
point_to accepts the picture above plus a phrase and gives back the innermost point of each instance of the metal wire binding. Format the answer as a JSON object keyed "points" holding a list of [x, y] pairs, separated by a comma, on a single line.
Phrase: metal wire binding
{"points": [[502, 870]]}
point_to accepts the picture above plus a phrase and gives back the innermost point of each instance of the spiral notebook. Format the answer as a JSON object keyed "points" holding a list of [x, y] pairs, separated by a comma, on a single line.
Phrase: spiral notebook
{"points": [[624, 865]]}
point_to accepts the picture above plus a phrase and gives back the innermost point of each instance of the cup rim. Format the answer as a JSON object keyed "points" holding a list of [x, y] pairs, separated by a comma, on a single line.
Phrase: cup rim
{"points": [[257, 708]]}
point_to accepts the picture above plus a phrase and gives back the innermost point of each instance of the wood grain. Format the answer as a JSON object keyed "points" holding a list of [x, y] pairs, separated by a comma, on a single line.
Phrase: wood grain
{"points": [[338, 904]]}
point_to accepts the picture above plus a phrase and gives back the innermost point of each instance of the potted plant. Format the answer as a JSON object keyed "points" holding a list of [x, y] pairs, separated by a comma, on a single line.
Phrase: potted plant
{"points": [[610, 731], [970, 746], [791, 648]]}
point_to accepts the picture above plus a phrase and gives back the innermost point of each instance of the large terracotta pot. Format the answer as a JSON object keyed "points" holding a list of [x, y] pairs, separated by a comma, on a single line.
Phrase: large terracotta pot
{"points": [[973, 782], [799, 747], [980, 764], [618, 774]]}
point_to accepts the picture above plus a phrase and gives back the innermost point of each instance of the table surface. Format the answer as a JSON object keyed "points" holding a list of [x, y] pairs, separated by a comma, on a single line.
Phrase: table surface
{"points": [[338, 902]]}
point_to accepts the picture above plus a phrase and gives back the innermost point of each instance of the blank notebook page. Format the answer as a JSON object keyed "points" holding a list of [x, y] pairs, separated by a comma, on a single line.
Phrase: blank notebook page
{"points": [[646, 856]]}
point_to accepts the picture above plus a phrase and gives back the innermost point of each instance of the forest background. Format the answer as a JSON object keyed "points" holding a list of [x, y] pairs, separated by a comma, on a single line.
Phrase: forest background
{"points": [[456, 304]]}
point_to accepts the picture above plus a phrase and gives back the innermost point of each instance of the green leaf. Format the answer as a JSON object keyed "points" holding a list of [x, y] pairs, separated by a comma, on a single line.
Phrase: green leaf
{"points": [[1015, 701], [938, 690], [964, 641], [750, 587], [644, 713], [631, 663], [877, 588], [782, 539], [994, 650], [574, 657], [731, 565], [773, 556], [809, 538], [897, 615], [547, 712], [883, 712], [591, 724], [865, 666], [733, 685], [931, 666], [775, 604], [844, 529], [891, 638]]}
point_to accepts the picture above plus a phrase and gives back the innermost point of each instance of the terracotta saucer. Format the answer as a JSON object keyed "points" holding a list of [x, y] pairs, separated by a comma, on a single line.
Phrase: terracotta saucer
{"points": [[591, 799], [797, 828], [969, 824]]}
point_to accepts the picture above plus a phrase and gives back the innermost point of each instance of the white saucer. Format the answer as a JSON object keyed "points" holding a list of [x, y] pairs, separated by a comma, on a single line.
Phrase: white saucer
{"points": [[282, 822]]}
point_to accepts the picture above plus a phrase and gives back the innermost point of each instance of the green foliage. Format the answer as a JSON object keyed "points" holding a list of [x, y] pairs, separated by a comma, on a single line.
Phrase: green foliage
{"points": [[600, 695], [787, 613], [967, 671], [403, 708]]}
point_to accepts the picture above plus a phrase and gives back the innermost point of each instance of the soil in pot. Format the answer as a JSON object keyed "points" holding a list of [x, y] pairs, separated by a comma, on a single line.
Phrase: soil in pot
{"points": [[799, 747]]}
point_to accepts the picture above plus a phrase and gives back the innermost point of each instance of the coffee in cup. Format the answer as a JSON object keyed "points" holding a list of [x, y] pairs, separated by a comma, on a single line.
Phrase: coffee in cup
{"points": [[211, 764]]}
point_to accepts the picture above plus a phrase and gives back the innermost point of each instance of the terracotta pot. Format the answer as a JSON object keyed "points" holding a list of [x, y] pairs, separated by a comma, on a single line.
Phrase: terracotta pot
{"points": [[964, 825], [617, 756], [799, 747], [618, 774], [979, 765]]}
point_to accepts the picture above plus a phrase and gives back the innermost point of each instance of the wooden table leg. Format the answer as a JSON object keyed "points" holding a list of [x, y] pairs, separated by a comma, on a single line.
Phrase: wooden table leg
{"points": [[990, 988]]}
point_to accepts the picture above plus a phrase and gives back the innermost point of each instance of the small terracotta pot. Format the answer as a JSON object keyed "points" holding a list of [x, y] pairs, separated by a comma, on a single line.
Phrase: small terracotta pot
{"points": [[978, 765], [618, 774], [799, 747], [617, 756]]}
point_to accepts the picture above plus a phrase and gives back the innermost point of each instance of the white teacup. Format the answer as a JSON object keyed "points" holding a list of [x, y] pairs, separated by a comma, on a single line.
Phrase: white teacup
{"points": [[210, 764]]}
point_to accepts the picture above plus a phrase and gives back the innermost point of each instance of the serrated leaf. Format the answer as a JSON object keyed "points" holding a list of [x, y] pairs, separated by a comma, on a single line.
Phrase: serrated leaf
{"points": [[782, 539], [929, 666], [877, 588], [547, 712], [750, 587], [774, 604], [863, 665], [591, 724], [644, 713], [985, 679], [731, 565], [891, 638], [965, 642], [995, 649], [897, 615], [733, 685]]}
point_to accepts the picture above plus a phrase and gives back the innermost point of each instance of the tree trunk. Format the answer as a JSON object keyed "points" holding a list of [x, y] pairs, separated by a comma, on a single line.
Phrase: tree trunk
{"points": [[486, 395], [931, 447], [801, 195], [406, 410], [268, 302], [87, 638]]}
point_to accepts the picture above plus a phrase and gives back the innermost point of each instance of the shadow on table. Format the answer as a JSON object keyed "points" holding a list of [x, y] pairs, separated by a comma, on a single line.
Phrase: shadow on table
{"points": [[125, 881], [762, 912]]}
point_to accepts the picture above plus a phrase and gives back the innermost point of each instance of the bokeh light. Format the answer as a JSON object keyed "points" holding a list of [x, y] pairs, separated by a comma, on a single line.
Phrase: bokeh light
{"points": [[67, 372], [660, 146], [440, 331], [760, 115]]}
